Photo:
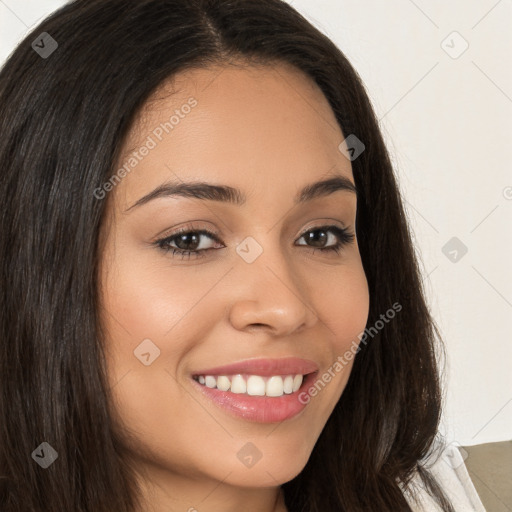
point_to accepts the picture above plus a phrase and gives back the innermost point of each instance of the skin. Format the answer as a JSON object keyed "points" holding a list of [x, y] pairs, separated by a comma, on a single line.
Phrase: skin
{"points": [[269, 131]]}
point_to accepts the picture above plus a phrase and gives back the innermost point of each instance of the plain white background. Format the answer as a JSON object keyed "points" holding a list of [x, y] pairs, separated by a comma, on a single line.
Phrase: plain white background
{"points": [[446, 112]]}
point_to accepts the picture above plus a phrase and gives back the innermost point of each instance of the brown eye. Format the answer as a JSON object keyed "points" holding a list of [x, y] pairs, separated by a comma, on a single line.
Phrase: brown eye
{"points": [[187, 242], [319, 238]]}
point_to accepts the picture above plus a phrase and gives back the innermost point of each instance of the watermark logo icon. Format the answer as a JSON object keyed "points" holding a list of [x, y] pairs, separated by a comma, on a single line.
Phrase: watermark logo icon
{"points": [[249, 455], [352, 147], [147, 352], [45, 455], [454, 45], [249, 249], [454, 249], [454, 455], [44, 45]]}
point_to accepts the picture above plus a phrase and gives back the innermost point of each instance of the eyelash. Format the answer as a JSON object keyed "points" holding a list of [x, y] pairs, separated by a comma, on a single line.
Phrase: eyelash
{"points": [[344, 236]]}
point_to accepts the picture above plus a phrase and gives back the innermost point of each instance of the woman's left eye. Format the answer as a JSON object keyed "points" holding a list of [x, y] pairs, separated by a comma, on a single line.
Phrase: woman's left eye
{"points": [[189, 242], [329, 234]]}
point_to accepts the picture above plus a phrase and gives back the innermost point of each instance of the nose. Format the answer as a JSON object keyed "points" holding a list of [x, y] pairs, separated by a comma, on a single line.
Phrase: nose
{"points": [[270, 294]]}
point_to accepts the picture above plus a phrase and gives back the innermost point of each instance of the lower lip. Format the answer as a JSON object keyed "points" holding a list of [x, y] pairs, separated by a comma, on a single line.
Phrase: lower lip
{"points": [[261, 409]]}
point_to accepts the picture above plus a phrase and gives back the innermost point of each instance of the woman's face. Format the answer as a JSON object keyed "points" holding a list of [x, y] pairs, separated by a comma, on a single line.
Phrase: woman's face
{"points": [[259, 296]]}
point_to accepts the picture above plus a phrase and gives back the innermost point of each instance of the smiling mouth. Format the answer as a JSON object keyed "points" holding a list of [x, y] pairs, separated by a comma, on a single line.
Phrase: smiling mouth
{"points": [[253, 385]]}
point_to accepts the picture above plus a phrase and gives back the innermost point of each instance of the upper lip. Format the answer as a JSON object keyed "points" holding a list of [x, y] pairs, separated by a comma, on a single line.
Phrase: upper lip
{"points": [[264, 367]]}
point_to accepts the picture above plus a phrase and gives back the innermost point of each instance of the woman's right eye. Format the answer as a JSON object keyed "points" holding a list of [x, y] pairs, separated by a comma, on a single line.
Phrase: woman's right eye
{"points": [[188, 242]]}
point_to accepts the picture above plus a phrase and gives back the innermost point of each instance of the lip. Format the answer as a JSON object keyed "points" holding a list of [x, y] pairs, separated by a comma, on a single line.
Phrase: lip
{"points": [[264, 367], [262, 409]]}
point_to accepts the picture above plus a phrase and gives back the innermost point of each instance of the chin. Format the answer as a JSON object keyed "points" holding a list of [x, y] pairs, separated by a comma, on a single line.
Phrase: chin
{"points": [[270, 466], [270, 475]]}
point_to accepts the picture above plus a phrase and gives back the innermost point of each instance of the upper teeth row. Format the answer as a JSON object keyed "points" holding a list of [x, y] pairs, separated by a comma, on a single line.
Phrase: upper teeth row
{"points": [[254, 384]]}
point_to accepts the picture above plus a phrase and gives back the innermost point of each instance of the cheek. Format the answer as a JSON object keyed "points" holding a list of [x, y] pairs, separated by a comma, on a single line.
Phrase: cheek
{"points": [[141, 302], [140, 310], [148, 299], [343, 305]]}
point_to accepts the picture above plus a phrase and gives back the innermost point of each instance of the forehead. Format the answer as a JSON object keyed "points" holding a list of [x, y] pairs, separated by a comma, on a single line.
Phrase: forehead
{"points": [[248, 126]]}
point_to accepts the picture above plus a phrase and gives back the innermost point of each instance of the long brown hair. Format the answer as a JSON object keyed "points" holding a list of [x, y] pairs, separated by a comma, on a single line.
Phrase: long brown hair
{"points": [[63, 120]]}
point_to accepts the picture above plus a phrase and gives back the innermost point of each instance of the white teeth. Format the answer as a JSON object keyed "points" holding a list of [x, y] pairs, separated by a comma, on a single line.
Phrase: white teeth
{"points": [[288, 384], [254, 385], [223, 383], [274, 386], [238, 384], [210, 381], [297, 381]]}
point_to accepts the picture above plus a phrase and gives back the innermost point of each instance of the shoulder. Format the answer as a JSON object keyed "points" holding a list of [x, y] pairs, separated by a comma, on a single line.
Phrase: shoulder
{"points": [[446, 466]]}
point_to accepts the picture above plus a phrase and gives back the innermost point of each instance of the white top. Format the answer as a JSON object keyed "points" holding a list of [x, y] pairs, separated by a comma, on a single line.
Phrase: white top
{"points": [[451, 474]]}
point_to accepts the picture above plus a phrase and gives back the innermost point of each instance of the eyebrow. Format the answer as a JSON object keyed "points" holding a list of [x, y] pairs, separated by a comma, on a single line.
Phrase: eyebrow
{"points": [[224, 193]]}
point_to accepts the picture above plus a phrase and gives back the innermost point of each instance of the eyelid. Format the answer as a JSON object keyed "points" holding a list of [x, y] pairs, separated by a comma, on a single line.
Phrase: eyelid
{"points": [[323, 223], [191, 226]]}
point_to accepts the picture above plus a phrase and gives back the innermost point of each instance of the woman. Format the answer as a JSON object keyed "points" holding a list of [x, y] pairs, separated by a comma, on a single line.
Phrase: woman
{"points": [[210, 298]]}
